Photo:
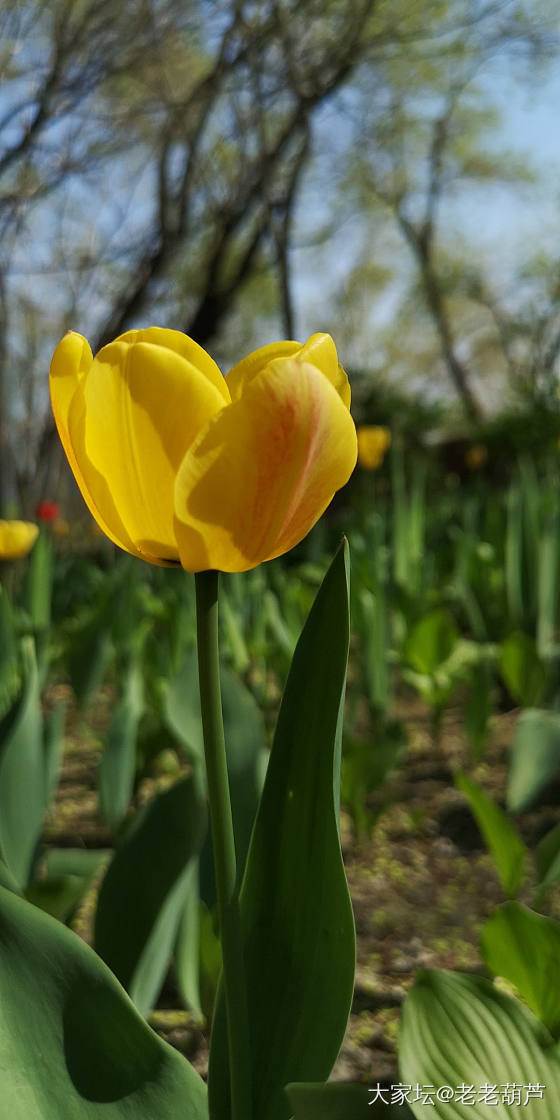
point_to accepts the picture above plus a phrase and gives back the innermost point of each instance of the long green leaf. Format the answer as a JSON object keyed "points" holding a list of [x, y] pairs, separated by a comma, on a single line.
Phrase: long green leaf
{"points": [[72, 1045], [22, 774], [296, 913], [143, 893], [502, 838], [117, 768]]}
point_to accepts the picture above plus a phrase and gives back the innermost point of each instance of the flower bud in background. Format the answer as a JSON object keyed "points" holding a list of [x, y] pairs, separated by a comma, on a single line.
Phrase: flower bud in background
{"points": [[47, 511], [373, 442], [17, 539], [179, 465], [476, 456]]}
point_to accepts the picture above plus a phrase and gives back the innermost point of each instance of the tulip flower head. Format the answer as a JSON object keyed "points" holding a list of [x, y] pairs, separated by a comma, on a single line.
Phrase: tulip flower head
{"points": [[16, 539], [180, 465], [373, 442]]}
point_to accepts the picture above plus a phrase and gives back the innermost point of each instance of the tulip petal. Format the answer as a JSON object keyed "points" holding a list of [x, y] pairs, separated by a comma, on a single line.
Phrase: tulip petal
{"points": [[70, 363], [319, 350], [264, 470], [184, 346], [131, 421]]}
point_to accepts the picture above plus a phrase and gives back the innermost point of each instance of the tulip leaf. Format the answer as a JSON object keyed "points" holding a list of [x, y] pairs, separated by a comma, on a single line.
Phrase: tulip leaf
{"points": [[186, 953], [343, 1102], [295, 909], [142, 896], [53, 747], [547, 859], [460, 1034], [22, 774], [117, 768], [181, 708], [72, 1044], [524, 948], [535, 757], [500, 834]]}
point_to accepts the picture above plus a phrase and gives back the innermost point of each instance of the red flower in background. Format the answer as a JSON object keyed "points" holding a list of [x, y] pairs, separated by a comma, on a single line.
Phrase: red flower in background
{"points": [[47, 511]]}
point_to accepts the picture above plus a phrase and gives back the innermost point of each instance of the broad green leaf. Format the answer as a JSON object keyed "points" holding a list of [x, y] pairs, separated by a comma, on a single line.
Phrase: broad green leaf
{"points": [[22, 774], [500, 834], [117, 768], [524, 948], [460, 1032], [142, 895], [522, 669], [72, 1045], [431, 641], [547, 859], [343, 1102], [296, 914], [535, 757]]}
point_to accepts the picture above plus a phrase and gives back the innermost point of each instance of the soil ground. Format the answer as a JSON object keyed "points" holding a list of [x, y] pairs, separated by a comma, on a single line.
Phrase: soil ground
{"points": [[421, 886]]}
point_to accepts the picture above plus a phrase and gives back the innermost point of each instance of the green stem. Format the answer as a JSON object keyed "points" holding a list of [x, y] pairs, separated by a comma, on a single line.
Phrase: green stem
{"points": [[233, 978]]}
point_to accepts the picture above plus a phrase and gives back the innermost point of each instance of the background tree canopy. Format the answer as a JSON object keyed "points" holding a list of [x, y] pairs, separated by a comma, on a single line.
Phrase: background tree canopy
{"points": [[162, 160]]}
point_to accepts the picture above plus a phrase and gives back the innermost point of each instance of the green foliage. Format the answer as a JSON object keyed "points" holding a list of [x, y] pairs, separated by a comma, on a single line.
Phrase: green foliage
{"points": [[296, 915], [500, 834], [143, 895], [524, 948], [71, 1042], [23, 783], [522, 669], [459, 1030], [535, 757]]}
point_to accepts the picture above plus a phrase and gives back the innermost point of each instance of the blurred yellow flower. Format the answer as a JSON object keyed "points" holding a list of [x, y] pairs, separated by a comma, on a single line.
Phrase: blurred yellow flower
{"points": [[373, 442], [476, 456], [61, 527], [17, 539], [179, 465]]}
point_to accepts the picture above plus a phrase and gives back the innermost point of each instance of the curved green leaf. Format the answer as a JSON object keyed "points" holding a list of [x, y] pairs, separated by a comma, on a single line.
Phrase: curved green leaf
{"points": [[500, 834], [524, 948], [535, 757], [72, 1044], [142, 896], [295, 908], [460, 1032]]}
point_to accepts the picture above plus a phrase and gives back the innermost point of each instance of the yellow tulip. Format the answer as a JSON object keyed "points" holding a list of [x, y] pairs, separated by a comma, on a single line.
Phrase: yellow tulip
{"points": [[372, 445], [179, 465], [17, 539]]}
